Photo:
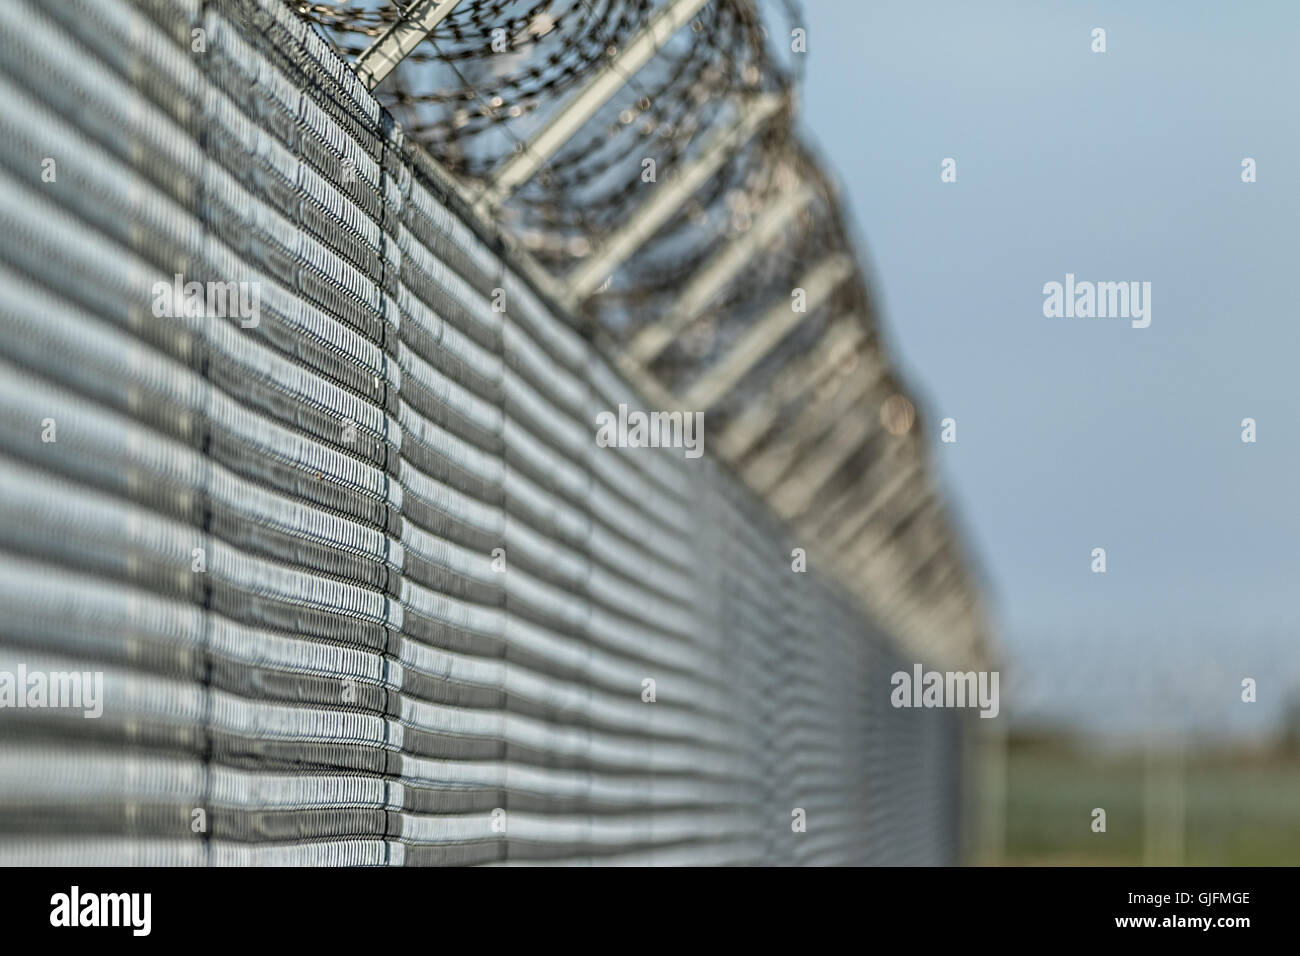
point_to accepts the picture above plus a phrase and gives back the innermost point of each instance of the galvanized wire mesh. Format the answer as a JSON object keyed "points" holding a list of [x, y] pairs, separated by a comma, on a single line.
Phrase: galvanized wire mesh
{"points": [[361, 586]]}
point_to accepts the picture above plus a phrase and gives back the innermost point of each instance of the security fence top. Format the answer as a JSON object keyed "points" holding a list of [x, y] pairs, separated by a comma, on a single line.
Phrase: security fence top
{"points": [[767, 333], [837, 344], [794, 496], [729, 261], [668, 198], [583, 106], [902, 483], [814, 420], [400, 39], [532, 111]]}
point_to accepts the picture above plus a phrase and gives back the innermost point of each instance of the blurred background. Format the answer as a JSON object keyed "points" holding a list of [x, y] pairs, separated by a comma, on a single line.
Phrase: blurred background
{"points": [[1123, 690]]}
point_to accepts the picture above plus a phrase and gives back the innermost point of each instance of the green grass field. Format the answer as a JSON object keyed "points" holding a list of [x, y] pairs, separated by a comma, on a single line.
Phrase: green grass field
{"points": [[1238, 809]]}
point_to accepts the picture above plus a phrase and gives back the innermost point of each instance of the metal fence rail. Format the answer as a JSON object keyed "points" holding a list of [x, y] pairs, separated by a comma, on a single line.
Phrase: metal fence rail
{"points": [[361, 585]]}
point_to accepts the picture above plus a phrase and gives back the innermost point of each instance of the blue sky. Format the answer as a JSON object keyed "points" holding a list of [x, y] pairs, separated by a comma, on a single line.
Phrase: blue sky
{"points": [[1083, 433]]}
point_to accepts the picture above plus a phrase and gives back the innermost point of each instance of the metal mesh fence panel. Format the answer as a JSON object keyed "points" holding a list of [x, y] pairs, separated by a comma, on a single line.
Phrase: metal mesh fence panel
{"points": [[361, 587]]}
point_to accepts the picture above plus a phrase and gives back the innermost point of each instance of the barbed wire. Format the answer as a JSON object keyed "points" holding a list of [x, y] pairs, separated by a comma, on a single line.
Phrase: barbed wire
{"points": [[490, 73], [493, 73]]}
